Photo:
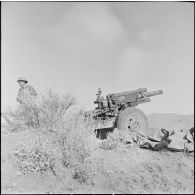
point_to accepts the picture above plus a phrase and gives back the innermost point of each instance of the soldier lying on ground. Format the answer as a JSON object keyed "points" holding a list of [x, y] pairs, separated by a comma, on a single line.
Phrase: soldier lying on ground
{"points": [[155, 145], [172, 141]]}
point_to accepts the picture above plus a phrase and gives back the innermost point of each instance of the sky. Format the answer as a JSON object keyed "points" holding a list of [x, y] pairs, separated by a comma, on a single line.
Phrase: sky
{"points": [[78, 47]]}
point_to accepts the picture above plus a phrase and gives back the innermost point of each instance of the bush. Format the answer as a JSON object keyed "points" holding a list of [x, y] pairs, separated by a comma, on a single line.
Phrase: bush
{"points": [[118, 140], [34, 160], [44, 113], [52, 109], [61, 139], [112, 142], [75, 144]]}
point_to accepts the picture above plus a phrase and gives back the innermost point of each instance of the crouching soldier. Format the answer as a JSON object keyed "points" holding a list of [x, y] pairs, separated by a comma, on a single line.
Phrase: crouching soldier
{"points": [[27, 99]]}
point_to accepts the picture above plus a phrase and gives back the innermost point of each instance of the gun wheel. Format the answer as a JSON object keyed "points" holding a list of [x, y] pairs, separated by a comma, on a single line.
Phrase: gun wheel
{"points": [[133, 120]]}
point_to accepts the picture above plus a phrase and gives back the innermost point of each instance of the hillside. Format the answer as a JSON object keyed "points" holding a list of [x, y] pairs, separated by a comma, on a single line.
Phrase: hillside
{"points": [[112, 167], [123, 170]]}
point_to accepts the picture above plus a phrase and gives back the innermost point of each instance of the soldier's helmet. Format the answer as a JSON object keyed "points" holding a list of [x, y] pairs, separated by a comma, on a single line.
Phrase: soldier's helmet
{"points": [[22, 79]]}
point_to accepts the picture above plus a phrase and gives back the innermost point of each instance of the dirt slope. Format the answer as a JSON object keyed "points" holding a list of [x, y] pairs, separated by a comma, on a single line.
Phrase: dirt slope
{"points": [[125, 170]]}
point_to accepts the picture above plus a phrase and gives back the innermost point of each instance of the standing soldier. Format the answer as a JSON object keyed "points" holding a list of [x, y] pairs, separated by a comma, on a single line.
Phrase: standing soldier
{"points": [[26, 97], [26, 93]]}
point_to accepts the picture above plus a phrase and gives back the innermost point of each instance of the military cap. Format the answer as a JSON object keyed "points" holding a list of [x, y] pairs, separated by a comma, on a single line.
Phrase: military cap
{"points": [[22, 79]]}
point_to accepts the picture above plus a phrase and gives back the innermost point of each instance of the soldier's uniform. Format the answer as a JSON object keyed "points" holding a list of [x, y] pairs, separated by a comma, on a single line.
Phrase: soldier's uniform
{"points": [[27, 99], [26, 94]]}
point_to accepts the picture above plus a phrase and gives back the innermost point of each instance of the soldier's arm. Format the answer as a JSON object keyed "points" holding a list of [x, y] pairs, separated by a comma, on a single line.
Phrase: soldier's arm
{"points": [[32, 90], [19, 97]]}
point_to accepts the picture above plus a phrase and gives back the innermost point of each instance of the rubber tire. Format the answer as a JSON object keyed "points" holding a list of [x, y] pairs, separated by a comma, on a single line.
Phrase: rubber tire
{"points": [[122, 123]]}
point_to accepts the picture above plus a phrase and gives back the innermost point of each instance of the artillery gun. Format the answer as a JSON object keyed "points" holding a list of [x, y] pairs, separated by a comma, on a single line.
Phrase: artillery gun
{"points": [[119, 111]]}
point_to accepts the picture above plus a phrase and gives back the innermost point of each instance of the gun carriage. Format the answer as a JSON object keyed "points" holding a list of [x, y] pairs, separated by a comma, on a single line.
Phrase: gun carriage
{"points": [[119, 110]]}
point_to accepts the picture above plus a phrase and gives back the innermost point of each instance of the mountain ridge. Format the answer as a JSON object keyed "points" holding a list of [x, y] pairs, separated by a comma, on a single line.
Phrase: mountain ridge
{"points": [[171, 120]]}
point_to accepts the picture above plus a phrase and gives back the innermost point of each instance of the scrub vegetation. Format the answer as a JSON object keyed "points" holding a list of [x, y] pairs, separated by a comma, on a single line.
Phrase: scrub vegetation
{"points": [[51, 147]]}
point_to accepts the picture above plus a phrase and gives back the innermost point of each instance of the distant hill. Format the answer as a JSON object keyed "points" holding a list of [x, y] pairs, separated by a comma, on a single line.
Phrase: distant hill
{"points": [[170, 121]]}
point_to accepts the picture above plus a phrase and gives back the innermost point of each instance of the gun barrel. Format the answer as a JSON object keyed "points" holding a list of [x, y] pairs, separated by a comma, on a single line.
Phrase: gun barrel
{"points": [[144, 100], [132, 91], [152, 93]]}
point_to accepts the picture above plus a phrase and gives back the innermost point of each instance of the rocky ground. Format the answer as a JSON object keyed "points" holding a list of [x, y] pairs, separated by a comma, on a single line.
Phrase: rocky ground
{"points": [[125, 170]]}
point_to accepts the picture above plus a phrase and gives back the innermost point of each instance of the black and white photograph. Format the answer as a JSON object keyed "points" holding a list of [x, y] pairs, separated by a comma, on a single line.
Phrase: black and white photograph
{"points": [[97, 97]]}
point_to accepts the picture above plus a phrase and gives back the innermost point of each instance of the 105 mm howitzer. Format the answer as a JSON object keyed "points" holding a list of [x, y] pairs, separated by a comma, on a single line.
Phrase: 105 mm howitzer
{"points": [[118, 110]]}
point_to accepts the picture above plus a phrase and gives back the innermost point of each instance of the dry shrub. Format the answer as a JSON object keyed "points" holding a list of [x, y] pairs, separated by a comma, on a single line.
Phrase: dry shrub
{"points": [[119, 140], [44, 113], [37, 153], [16, 120], [34, 160], [61, 141], [75, 145], [52, 109], [112, 142]]}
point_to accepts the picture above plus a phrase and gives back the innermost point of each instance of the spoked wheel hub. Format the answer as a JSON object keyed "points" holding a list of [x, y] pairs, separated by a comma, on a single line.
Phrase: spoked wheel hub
{"points": [[135, 123], [133, 120]]}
